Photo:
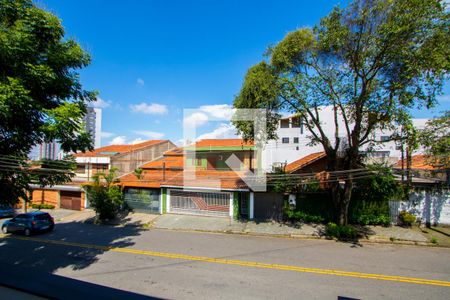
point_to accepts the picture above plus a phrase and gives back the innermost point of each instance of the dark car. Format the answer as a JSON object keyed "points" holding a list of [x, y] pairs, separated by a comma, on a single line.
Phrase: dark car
{"points": [[6, 211], [29, 223]]}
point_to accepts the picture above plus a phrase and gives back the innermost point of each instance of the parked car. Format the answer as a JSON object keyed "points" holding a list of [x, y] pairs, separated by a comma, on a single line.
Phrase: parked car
{"points": [[29, 223], [6, 211]]}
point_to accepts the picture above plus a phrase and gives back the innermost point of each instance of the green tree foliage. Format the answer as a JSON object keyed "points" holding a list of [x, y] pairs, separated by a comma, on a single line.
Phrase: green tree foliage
{"points": [[104, 196], [369, 62], [41, 98], [371, 196], [436, 139]]}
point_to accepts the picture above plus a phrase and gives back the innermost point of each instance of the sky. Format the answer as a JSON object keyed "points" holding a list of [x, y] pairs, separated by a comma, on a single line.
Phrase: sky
{"points": [[153, 59]]}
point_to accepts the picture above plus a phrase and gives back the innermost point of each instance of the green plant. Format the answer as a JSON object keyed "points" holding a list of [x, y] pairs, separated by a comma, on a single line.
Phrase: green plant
{"points": [[373, 219], [303, 216], [105, 197], [434, 240], [406, 219], [42, 206], [341, 231]]}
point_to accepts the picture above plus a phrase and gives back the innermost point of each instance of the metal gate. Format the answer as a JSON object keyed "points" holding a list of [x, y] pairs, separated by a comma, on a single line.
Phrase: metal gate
{"points": [[200, 203]]}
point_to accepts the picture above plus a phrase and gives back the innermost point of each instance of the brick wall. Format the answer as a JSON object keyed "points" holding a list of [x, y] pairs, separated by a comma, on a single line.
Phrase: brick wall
{"points": [[42, 196]]}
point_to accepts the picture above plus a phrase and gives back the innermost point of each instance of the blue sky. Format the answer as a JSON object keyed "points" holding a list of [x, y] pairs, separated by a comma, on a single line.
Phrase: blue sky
{"points": [[152, 59]]}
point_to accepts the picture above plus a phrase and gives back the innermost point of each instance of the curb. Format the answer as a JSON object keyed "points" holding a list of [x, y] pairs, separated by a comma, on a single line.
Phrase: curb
{"points": [[305, 237]]}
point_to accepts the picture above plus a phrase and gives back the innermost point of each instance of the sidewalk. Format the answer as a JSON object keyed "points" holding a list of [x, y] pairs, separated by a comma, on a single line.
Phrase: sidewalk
{"points": [[226, 225], [125, 219]]}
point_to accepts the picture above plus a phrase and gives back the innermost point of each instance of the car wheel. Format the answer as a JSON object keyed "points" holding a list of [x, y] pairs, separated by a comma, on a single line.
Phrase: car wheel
{"points": [[27, 231], [51, 228], [5, 229]]}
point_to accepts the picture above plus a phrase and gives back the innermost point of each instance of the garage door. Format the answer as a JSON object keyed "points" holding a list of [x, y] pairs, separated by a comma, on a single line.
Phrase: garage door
{"points": [[268, 206], [200, 203], [71, 200]]}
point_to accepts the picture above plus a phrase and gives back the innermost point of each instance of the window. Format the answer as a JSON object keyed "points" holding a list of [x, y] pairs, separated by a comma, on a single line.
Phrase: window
{"points": [[285, 140], [384, 138], [81, 168], [284, 123], [296, 122], [296, 140], [198, 162]]}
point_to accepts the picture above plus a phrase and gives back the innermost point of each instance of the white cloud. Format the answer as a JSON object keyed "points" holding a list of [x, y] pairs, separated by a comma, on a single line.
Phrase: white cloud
{"points": [[195, 119], [118, 140], [140, 81], [149, 109], [219, 111], [100, 103], [443, 98], [149, 134], [224, 131], [106, 134], [137, 141]]}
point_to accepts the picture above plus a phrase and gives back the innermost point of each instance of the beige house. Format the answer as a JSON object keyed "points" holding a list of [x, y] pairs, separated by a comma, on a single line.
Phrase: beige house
{"points": [[126, 158]]}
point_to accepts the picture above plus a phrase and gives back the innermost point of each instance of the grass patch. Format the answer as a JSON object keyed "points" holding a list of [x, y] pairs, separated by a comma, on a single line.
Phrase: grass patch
{"points": [[436, 235]]}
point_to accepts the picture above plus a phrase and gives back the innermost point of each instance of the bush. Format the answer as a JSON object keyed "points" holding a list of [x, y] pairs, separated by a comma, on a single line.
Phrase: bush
{"points": [[105, 198], [42, 206], [372, 219], [406, 219], [341, 231], [303, 216]]}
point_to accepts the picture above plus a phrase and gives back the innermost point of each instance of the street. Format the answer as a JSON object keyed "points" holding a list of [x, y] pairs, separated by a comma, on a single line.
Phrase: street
{"points": [[188, 265]]}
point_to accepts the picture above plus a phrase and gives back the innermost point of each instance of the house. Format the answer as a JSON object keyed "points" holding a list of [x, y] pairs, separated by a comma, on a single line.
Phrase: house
{"points": [[126, 158], [311, 163], [293, 141], [198, 180]]}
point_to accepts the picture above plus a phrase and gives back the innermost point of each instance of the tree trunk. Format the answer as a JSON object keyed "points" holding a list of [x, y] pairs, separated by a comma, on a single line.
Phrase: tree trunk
{"points": [[341, 195], [341, 200]]}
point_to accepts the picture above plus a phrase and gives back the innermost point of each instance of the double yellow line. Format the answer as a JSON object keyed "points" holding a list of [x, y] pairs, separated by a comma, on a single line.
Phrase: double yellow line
{"points": [[250, 264]]}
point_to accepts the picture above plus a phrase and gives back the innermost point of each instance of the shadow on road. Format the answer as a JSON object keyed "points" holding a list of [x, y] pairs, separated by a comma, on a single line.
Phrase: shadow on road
{"points": [[15, 251]]}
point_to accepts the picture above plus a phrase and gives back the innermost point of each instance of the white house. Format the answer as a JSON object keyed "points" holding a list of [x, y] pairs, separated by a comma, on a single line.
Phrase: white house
{"points": [[293, 140]]}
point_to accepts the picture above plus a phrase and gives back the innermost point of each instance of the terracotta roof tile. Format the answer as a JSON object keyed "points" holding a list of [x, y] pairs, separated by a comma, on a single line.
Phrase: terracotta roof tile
{"points": [[223, 143], [304, 161], [118, 149], [418, 162]]}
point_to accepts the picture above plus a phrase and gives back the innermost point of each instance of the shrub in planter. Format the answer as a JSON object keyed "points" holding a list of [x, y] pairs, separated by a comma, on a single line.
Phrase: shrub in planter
{"points": [[341, 231], [406, 219], [42, 206]]}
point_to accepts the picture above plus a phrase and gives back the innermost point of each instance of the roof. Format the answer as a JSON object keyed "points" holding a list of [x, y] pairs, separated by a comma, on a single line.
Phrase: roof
{"points": [[168, 162], [304, 161], [172, 163], [221, 144], [226, 180], [418, 162], [118, 149]]}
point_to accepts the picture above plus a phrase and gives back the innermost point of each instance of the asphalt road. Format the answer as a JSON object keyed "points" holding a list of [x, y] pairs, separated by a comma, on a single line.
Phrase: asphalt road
{"points": [[183, 265]]}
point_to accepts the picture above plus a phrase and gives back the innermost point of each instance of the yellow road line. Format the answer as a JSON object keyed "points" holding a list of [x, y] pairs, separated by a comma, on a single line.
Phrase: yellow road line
{"points": [[242, 263]]}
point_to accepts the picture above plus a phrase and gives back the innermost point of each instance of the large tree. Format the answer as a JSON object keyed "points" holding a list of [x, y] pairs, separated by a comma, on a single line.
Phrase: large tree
{"points": [[41, 98], [370, 62]]}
